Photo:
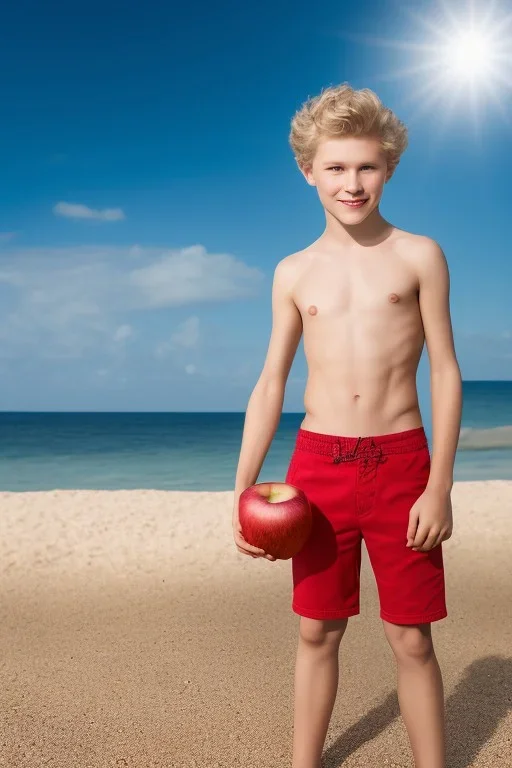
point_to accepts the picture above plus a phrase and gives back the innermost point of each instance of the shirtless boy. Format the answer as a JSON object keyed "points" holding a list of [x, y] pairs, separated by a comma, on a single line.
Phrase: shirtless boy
{"points": [[366, 295]]}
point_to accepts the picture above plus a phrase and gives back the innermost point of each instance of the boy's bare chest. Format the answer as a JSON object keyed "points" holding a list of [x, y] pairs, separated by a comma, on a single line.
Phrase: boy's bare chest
{"points": [[372, 288]]}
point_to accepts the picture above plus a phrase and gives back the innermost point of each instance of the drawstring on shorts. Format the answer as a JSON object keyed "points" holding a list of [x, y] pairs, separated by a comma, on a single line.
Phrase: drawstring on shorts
{"points": [[372, 456]]}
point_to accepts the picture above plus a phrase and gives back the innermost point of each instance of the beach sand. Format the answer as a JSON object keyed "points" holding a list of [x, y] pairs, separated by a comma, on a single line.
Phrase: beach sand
{"points": [[133, 633]]}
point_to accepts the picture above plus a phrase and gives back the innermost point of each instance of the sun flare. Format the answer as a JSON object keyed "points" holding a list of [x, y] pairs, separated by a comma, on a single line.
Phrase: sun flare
{"points": [[469, 55], [462, 60]]}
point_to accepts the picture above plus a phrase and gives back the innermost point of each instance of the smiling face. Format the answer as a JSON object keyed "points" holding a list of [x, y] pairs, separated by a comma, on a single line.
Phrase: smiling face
{"points": [[349, 168]]}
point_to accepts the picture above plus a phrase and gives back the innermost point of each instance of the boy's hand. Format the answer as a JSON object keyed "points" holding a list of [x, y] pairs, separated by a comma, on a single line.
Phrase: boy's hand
{"points": [[242, 545], [430, 520]]}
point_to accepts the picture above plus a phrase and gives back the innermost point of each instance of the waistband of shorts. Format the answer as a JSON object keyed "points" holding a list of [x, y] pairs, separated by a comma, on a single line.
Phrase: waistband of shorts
{"points": [[344, 447]]}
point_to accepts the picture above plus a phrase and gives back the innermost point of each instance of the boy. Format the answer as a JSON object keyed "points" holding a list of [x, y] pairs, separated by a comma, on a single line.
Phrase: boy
{"points": [[366, 295]]}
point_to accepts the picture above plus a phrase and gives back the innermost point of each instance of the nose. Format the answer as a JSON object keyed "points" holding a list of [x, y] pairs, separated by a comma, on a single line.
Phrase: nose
{"points": [[353, 186]]}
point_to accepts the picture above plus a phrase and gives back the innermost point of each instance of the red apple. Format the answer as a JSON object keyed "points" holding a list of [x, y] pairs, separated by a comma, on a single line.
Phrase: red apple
{"points": [[275, 517]]}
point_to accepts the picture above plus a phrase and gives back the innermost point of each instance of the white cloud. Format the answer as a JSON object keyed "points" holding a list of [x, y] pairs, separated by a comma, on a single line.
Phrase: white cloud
{"points": [[78, 211], [123, 332], [72, 301], [193, 275], [162, 349], [187, 334]]}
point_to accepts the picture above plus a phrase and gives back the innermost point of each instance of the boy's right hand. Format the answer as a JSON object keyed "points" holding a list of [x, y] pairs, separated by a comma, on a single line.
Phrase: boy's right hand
{"points": [[242, 545]]}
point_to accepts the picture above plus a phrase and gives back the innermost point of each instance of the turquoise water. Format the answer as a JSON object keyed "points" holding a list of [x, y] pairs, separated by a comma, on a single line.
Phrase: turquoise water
{"points": [[199, 451]]}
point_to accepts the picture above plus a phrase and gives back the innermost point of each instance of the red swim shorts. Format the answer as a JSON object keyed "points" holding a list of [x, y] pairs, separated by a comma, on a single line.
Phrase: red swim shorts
{"points": [[364, 488]]}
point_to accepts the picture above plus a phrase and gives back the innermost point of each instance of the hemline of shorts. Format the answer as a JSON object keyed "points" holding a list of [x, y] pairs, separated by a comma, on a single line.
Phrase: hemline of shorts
{"points": [[420, 618], [324, 614]]}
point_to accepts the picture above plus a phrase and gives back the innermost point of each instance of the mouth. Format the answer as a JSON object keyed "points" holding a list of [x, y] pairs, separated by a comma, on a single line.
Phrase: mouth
{"points": [[354, 203]]}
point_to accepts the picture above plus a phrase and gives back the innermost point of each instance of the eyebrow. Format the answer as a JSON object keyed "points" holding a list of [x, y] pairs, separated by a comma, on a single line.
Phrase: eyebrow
{"points": [[338, 162]]}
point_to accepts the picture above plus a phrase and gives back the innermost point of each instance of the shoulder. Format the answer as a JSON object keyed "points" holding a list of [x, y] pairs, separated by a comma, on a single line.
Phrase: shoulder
{"points": [[295, 260], [429, 247], [415, 242], [289, 268], [424, 253]]}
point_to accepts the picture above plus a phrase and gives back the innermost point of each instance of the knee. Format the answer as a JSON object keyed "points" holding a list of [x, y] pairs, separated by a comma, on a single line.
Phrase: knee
{"points": [[411, 643], [322, 632]]}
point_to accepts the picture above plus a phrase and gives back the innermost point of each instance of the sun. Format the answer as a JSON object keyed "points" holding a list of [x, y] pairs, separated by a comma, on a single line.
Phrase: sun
{"points": [[459, 60], [469, 56]]}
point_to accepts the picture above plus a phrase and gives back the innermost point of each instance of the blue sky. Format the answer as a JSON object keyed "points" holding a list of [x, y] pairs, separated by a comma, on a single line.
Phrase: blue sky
{"points": [[148, 191]]}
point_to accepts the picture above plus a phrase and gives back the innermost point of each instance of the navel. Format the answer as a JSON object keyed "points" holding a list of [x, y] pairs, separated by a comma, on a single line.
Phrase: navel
{"points": [[312, 310], [394, 297]]}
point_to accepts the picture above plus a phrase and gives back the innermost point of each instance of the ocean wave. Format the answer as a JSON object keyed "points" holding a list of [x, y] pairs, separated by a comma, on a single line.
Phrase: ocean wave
{"points": [[473, 439]]}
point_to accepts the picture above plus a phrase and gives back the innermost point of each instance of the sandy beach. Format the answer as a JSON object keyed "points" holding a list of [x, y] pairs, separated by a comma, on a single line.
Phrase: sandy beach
{"points": [[133, 633]]}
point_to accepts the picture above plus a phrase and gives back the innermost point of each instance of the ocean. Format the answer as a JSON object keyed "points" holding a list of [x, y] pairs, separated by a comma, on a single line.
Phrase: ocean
{"points": [[199, 451]]}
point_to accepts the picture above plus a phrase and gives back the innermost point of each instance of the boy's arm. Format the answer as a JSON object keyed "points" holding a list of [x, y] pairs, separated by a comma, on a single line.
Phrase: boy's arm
{"points": [[266, 401], [445, 376]]}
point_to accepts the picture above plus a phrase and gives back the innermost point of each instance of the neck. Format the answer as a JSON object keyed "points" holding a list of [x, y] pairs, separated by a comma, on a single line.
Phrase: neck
{"points": [[370, 232]]}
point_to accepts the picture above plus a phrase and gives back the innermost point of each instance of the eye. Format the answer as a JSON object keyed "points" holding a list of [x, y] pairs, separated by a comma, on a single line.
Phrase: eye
{"points": [[333, 167]]}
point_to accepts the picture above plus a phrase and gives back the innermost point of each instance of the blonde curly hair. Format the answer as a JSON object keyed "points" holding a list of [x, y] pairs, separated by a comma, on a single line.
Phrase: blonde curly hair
{"points": [[342, 111]]}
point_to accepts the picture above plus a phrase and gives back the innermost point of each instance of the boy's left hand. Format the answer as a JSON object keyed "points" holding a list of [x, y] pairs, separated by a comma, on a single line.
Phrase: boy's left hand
{"points": [[430, 520]]}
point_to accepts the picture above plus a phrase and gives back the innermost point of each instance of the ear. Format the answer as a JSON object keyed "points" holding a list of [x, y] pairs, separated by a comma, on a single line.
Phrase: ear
{"points": [[306, 172], [390, 173]]}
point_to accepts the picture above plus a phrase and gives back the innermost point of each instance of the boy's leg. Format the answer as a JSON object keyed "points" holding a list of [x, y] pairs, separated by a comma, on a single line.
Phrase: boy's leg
{"points": [[411, 591], [420, 691], [316, 686]]}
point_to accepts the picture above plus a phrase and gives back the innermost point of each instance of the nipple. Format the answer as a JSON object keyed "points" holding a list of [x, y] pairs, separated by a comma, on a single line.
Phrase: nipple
{"points": [[394, 297], [312, 310]]}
